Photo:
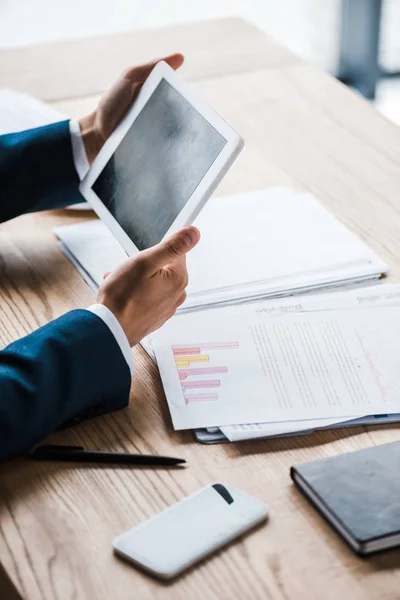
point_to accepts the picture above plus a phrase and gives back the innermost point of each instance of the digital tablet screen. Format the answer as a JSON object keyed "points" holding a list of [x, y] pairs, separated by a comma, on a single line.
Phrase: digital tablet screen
{"points": [[158, 165]]}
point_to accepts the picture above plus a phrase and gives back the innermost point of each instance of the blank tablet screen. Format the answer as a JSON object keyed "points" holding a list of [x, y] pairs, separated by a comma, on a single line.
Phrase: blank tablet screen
{"points": [[157, 166]]}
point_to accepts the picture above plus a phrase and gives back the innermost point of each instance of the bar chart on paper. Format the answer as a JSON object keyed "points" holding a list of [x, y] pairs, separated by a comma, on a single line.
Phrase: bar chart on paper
{"points": [[198, 375]]}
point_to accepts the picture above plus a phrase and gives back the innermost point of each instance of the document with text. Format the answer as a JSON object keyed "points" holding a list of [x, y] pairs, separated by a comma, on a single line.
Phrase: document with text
{"points": [[304, 366]]}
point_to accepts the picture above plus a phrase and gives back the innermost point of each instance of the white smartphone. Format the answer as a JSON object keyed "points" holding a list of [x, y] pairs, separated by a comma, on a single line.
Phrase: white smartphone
{"points": [[161, 164], [190, 530]]}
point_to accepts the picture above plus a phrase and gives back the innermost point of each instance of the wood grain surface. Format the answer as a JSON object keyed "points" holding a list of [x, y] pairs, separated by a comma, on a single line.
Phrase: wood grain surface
{"points": [[89, 65], [57, 521]]}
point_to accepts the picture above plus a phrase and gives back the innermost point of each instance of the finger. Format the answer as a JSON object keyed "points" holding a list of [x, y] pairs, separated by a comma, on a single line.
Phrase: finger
{"points": [[143, 71], [179, 273], [181, 299], [175, 61], [106, 274], [172, 249], [117, 101]]}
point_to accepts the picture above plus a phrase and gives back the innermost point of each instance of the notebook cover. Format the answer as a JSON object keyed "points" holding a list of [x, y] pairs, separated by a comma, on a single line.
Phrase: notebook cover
{"points": [[361, 488]]}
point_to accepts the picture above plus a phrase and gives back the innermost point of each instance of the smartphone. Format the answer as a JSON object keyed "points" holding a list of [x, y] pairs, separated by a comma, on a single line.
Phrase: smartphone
{"points": [[190, 530]]}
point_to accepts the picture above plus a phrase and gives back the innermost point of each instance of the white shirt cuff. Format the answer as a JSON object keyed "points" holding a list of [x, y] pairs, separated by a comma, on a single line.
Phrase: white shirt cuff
{"points": [[114, 326], [78, 150]]}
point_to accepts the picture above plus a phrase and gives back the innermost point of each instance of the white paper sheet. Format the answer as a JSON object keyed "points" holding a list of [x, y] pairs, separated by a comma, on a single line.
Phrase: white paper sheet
{"points": [[95, 252], [374, 296], [315, 365], [85, 275], [286, 287], [269, 237], [356, 297]]}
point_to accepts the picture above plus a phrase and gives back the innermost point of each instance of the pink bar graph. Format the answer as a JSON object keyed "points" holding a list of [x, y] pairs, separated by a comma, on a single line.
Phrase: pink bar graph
{"points": [[189, 359], [211, 383], [185, 351], [200, 398], [184, 373], [213, 345]]}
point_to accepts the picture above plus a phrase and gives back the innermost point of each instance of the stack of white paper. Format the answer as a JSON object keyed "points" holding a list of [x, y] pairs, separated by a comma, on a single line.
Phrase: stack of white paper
{"points": [[272, 241], [261, 369], [263, 244], [297, 372]]}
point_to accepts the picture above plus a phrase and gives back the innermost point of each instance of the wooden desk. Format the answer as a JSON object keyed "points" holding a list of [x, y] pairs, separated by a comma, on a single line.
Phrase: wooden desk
{"points": [[302, 129]]}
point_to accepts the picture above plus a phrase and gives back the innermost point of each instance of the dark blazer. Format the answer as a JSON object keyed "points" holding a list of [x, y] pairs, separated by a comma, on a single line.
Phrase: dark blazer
{"points": [[73, 367]]}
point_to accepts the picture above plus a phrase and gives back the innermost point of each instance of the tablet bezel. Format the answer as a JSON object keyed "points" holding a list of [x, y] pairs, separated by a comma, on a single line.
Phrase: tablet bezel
{"points": [[204, 189]]}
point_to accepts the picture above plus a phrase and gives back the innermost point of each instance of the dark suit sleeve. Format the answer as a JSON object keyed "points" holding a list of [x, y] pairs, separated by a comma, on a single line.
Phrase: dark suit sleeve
{"points": [[68, 370], [37, 171]]}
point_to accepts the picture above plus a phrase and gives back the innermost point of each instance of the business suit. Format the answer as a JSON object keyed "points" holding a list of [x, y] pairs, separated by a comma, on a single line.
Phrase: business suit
{"points": [[73, 367]]}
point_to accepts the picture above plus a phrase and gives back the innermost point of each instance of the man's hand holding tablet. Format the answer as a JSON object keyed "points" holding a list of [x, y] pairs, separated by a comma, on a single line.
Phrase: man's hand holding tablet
{"points": [[97, 127], [145, 291], [157, 153], [161, 163]]}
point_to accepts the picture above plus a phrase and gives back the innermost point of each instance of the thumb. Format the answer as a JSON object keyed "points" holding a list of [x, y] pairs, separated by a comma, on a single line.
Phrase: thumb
{"points": [[174, 247]]}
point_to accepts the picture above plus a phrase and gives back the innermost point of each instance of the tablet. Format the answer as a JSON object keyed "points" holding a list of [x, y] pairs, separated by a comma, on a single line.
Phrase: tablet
{"points": [[161, 164]]}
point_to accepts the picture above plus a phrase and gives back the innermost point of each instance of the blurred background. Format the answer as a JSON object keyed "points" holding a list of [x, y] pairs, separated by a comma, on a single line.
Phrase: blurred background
{"points": [[356, 39]]}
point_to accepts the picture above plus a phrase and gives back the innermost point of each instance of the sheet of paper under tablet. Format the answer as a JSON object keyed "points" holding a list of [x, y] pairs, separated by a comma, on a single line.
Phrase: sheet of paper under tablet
{"points": [[85, 275], [294, 263], [93, 250], [93, 246], [268, 235], [286, 287], [309, 366]]}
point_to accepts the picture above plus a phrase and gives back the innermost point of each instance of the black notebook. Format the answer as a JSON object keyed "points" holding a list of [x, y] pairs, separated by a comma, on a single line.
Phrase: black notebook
{"points": [[358, 493]]}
